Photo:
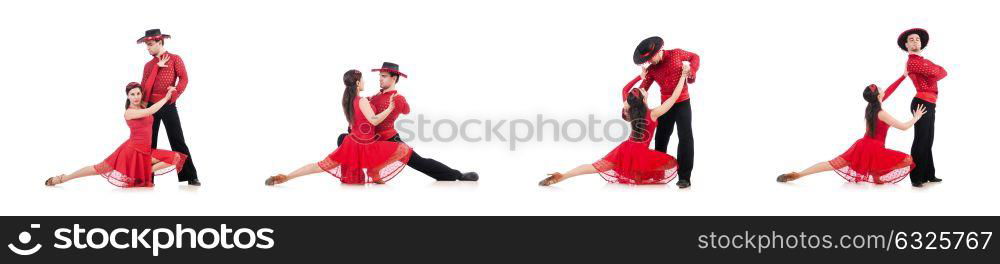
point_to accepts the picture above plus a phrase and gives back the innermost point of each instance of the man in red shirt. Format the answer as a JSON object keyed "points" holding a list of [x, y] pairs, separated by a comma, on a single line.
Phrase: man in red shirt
{"points": [[664, 68], [388, 78], [925, 76], [157, 78]]}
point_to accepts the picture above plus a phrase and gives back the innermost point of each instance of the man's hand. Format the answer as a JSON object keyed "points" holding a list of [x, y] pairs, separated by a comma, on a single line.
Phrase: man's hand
{"points": [[163, 61]]}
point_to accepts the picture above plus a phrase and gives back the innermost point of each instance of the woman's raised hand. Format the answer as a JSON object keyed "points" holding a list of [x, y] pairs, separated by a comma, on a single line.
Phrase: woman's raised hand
{"points": [[170, 91], [920, 111]]}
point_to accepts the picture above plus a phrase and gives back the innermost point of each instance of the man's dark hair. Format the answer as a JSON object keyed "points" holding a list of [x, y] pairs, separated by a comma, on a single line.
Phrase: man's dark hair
{"points": [[393, 74]]}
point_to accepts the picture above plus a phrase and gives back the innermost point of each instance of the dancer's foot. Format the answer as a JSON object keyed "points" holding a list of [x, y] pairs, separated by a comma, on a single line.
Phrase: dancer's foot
{"points": [[469, 176], [918, 184], [276, 179], [787, 177], [53, 181], [194, 182], [683, 184], [934, 179], [553, 178]]}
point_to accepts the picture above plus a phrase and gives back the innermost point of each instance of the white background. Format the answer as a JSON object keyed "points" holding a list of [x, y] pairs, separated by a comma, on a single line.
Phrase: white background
{"points": [[779, 89]]}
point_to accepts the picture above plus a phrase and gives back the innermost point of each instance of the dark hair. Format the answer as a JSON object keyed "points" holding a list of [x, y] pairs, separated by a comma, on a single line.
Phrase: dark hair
{"points": [[393, 74], [351, 78], [637, 110], [871, 112], [129, 87], [161, 41]]}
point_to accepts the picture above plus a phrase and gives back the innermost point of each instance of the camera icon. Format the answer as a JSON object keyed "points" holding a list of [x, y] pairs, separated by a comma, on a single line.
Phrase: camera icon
{"points": [[25, 238]]}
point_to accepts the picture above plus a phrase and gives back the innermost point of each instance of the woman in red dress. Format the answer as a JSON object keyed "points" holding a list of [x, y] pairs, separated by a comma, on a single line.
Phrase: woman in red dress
{"points": [[363, 157], [632, 162], [868, 160], [134, 163]]}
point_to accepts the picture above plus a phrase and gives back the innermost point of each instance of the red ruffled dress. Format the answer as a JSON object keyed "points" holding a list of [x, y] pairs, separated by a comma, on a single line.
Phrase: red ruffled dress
{"points": [[131, 164], [632, 162], [869, 161], [365, 158]]}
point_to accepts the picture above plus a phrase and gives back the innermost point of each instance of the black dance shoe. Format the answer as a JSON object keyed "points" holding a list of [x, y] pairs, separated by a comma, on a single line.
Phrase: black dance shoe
{"points": [[469, 176], [918, 184], [194, 182], [683, 184], [934, 179]]}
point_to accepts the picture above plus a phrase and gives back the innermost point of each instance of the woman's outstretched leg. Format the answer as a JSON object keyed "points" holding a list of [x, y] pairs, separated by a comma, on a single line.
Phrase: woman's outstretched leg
{"points": [[82, 172], [311, 168], [558, 177], [158, 165], [816, 168]]}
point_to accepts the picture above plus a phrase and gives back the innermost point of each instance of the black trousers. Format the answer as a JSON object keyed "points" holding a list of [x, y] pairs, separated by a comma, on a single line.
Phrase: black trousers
{"points": [[679, 114], [429, 167], [923, 140], [172, 123]]}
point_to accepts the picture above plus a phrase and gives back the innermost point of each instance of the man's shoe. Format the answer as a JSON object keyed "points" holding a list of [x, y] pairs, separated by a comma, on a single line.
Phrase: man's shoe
{"points": [[469, 176], [683, 184], [935, 179], [194, 182]]}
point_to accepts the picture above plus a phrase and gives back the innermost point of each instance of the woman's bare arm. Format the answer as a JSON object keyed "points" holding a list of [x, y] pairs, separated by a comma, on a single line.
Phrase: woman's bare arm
{"points": [[888, 119], [369, 113], [140, 113], [666, 105]]}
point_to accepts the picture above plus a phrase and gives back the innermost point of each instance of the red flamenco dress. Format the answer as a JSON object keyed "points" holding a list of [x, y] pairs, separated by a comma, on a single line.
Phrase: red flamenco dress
{"points": [[869, 161], [131, 164], [365, 158], [632, 162]]}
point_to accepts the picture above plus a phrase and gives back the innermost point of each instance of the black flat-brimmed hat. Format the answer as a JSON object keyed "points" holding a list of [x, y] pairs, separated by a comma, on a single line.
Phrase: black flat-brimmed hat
{"points": [[152, 34], [647, 49], [924, 38], [391, 68]]}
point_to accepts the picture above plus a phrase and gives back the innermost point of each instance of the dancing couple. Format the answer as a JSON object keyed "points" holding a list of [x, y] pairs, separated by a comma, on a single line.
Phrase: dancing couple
{"points": [[136, 161], [868, 160], [371, 151], [632, 162]]}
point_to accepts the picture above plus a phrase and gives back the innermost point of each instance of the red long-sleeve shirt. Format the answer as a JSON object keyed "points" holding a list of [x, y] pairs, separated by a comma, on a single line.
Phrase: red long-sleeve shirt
{"points": [[156, 80], [925, 75], [380, 102], [667, 73]]}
